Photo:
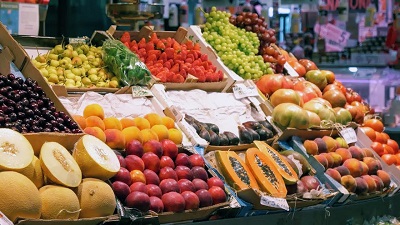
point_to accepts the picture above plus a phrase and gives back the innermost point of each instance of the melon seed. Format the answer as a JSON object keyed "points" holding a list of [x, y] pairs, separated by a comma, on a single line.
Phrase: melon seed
{"points": [[240, 171], [101, 153], [63, 161], [267, 172], [9, 148]]}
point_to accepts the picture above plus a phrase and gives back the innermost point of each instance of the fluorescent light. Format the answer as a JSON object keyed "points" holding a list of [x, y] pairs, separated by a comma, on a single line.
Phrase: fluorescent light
{"points": [[280, 11], [353, 69]]}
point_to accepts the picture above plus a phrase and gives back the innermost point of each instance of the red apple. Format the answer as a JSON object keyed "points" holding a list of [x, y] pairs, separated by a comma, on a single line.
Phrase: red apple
{"points": [[156, 204], [134, 147], [121, 160], [215, 181], [169, 185], [151, 161], [138, 186], [204, 197], [192, 201], [182, 159], [199, 184], [186, 185], [138, 200], [196, 160], [154, 147], [123, 175], [184, 172], [121, 190], [199, 172], [154, 190], [151, 177], [169, 148], [134, 162], [173, 202], [218, 194], [166, 161], [167, 172]]}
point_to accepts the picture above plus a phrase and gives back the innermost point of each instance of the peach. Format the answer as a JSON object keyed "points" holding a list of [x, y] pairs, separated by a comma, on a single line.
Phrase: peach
{"points": [[138, 186], [199, 172], [167, 173], [218, 194], [141, 123], [173, 202], [322, 159], [80, 120], [156, 204], [311, 147], [166, 161], [196, 160], [121, 190], [175, 135], [371, 183], [372, 164], [184, 172], [334, 174], [215, 181], [354, 167], [169, 148], [95, 121], [161, 131], [361, 186], [205, 198], [182, 159], [168, 122], [97, 132], [93, 110], [329, 159], [344, 152], [127, 122], [385, 177], [331, 143], [115, 139], [153, 146], [379, 182], [349, 183], [342, 143], [137, 176], [151, 177], [199, 184], [342, 170], [123, 175], [322, 147], [153, 118], [153, 190], [121, 160], [191, 200], [186, 185], [112, 123], [138, 200], [356, 152], [169, 185], [337, 159], [151, 161], [134, 147], [147, 135], [131, 133], [367, 152], [134, 162], [365, 168]]}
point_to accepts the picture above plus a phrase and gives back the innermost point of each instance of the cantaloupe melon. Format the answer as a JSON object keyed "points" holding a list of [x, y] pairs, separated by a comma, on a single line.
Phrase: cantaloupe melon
{"points": [[59, 203], [96, 198], [15, 150], [34, 172], [95, 158], [59, 166], [19, 196]]}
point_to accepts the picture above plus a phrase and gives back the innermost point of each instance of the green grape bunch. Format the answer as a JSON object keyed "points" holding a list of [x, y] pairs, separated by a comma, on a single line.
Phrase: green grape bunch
{"points": [[236, 47]]}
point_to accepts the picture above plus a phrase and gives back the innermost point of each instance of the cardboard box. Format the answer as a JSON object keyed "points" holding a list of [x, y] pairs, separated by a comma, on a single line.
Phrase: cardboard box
{"points": [[86, 221], [180, 36]]}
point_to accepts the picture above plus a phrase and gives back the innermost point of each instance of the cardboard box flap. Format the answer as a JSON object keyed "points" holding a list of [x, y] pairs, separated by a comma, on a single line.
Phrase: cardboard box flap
{"points": [[19, 55], [86, 221]]}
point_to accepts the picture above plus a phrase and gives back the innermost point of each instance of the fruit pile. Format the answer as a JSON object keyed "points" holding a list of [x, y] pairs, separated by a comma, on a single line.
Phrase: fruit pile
{"points": [[26, 108], [50, 185], [157, 177], [248, 132], [75, 66], [386, 148], [117, 133], [266, 170], [171, 61], [236, 47], [353, 167]]}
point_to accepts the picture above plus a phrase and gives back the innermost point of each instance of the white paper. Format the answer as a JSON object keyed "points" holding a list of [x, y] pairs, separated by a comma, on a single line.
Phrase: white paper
{"points": [[242, 91], [274, 202], [28, 19], [349, 135], [4, 220]]}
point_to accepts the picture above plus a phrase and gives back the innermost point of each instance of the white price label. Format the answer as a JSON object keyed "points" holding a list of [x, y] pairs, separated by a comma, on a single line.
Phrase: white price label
{"points": [[242, 91], [274, 202], [4, 220], [177, 114], [290, 70], [349, 135], [138, 91]]}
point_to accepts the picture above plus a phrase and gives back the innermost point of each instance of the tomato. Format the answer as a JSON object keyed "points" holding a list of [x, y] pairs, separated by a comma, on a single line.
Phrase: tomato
{"points": [[268, 84], [340, 85], [308, 89], [369, 132], [314, 119], [322, 101], [377, 147], [286, 95], [380, 137], [290, 115], [281, 60], [342, 116], [356, 113], [300, 69], [352, 96], [375, 124], [329, 75], [388, 149], [316, 77], [325, 112], [389, 159], [392, 143], [308, 64], [332, 87], [335, 97]]}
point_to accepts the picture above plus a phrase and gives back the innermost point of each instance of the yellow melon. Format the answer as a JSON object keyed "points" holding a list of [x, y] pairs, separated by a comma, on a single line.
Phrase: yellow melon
{"points": [[19, 196], [96, 198], [15, 150], [59, 166], [34, 172], [59, 203], [95, 158]]}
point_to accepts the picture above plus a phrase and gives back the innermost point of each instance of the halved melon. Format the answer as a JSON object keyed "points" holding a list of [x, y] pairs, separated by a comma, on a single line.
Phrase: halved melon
{"points": [[287, 172], [95, 158], [235, 171], [15, 150], [267, 175], [59, 166]]}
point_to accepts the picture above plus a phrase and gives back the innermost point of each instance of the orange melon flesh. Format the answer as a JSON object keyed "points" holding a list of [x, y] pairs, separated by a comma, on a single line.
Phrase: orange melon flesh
{"points": [[16, 152], [95, 158], [59, 166]]}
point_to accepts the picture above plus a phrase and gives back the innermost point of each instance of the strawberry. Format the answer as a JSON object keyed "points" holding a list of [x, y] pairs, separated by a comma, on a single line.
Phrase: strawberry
{"points": [[126, 37]]}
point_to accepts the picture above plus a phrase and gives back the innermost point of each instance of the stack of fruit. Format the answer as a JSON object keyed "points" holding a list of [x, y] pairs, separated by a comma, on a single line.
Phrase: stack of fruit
{"points": [[155, 176], [386, 148], [79, 66], [353, 167], [117, 133], [50, 186]]}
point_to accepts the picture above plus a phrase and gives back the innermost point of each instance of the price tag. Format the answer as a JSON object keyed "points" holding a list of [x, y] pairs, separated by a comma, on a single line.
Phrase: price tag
{"points": [[76, 41], [177, 114], [274, 202], [290, 70], [4, 220], [138, 91], [242, 91], [349, 135]]}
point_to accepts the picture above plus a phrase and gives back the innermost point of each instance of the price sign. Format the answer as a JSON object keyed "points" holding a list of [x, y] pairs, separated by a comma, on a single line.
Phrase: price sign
{"points": [[274, 202], [349, 135], [330, 32], [176, 113], [138, 91], [4, 220], [242, 91]]}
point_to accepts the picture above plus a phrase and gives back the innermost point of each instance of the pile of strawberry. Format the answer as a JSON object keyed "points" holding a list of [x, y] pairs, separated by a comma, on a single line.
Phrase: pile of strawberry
{"points": [[171, 61]]}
